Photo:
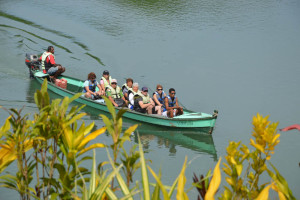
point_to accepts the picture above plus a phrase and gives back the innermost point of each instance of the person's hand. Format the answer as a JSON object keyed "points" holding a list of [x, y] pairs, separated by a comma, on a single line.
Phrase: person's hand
{"points": [[116, 105]]}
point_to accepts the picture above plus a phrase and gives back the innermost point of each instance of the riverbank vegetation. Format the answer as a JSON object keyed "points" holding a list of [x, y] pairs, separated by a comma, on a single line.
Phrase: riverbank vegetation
{"points": [[50, 151]]}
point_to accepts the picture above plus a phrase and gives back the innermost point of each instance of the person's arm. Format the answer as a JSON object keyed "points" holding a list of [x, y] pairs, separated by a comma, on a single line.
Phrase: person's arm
{"points": [[167, 104], [156, 100], [102, 85], [89, 91], [100, 89], [143, 105], [122, 96], [152, 102], [112, 100]]}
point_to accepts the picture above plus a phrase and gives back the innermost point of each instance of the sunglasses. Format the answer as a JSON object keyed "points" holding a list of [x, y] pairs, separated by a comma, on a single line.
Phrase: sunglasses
{"points": [[159, 89], [145, 91], [113, 83], [173, 93]]}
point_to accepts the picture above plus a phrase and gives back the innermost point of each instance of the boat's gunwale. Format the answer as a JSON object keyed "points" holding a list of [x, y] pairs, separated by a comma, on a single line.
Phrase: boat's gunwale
{"points": [[128, 110]]}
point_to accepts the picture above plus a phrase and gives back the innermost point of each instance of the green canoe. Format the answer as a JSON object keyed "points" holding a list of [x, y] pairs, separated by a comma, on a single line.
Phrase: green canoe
{"points": [[189, 120]]}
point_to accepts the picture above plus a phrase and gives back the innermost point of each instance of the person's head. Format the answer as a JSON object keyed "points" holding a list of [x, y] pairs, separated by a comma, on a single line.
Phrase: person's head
{"points": [[145, 91], [159, 88], [105, 74], [91, 76], [135, 87], [129, 82], [172, 92], [114, 83], [50, 49]]}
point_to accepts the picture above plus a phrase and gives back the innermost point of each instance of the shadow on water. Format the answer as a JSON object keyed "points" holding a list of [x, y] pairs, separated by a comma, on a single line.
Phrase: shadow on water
{"points": [[198, 140]]}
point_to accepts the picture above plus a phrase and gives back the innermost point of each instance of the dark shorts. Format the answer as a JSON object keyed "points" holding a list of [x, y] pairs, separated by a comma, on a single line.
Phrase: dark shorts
{"points": [[52, 70]]}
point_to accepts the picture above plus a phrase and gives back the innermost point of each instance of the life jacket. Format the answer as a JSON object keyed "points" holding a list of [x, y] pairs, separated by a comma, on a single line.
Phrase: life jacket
{"points": [[106, 83], [115, 93], [146, 99], [136, 105], [92, 86], [171, 103], [128, 89], [138, 93], [46, 65], [161, 99]]}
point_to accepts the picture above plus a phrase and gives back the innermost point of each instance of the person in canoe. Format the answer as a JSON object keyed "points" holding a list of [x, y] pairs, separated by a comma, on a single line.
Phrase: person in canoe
{"points": [[49, 66], [132, 93], [126, 87], [144, 104], [171, 103], [89, 87], [105, 80], [159, 99], [115, 94]]}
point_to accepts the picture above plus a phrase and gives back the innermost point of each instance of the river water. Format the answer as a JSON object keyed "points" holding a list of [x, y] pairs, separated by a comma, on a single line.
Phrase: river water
{"points": [[240, 57]]}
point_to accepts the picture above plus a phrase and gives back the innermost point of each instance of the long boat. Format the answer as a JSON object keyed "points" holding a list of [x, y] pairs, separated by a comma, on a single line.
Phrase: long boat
{"points": [[189, 120]]}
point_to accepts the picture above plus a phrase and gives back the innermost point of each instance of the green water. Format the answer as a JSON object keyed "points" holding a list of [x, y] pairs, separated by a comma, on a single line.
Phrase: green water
{"points": [[240, 57]]}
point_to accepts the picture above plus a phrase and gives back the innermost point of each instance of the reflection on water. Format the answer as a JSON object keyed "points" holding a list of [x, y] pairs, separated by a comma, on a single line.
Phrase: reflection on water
{"points": [[199, 141]]}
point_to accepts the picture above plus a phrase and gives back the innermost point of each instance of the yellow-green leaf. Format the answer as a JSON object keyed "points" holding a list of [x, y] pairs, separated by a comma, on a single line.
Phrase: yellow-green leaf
{"points": [[181, 183], [91, 136], [93, 146], [214, 184], [264, 194]]}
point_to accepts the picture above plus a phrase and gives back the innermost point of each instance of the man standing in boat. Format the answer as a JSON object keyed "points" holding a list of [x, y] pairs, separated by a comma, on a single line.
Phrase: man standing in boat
{"points": [[48, 64], [171, 103]]}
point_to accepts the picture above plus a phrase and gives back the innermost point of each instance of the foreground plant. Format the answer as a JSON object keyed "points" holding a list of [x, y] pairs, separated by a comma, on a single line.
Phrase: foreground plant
{"points": [[245, 167]]}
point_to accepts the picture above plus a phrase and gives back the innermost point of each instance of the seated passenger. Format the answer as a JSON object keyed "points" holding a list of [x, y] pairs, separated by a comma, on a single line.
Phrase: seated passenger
{"points": [[144, 104], [89, 87], [49, 66], [171, 103], [105, 80], [159, 99], [115, 95], [126, 87], [132, 93]]}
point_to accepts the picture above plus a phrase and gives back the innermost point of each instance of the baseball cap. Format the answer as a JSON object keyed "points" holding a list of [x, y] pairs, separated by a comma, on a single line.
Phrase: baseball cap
{"points": [[114, 80], [105, 72], [144, 89]]}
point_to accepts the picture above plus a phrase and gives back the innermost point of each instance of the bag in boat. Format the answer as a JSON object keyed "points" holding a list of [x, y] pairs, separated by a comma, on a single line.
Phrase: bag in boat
{"points": [[61, 83], [120, 102]]}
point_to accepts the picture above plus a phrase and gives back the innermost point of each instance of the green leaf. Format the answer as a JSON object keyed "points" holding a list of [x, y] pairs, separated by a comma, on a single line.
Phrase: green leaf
{"points": [[110, 107], [145, 180], [121, 113], [161, 186], [108, 124], [75, 118], [93, 176]]}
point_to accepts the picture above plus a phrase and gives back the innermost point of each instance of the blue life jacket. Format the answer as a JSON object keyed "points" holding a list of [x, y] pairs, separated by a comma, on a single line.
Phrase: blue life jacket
{"points": [[171, 103], [161, 99], [92, 86]]}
